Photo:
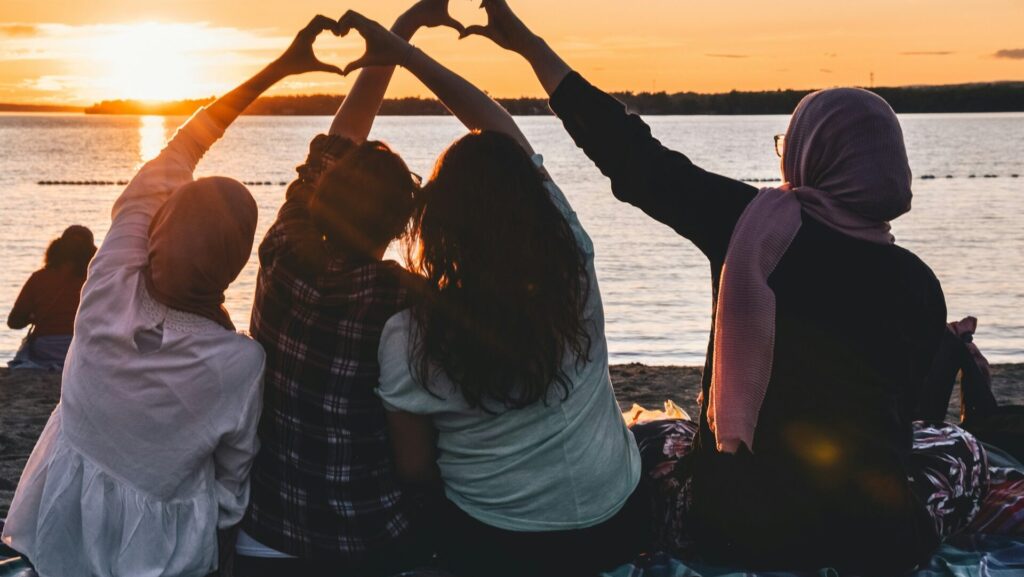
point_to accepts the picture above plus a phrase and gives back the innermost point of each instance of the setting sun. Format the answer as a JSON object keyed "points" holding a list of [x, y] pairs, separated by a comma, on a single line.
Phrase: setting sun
{"points": [[149, 61]]}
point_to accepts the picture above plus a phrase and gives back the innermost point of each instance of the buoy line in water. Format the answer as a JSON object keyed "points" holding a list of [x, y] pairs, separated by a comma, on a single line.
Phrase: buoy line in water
{"points": [[125, 182], [922, 177], [284, 183]]}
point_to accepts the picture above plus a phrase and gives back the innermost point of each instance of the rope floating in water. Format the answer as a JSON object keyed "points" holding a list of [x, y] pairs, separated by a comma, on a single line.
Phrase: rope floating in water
{"points": [[125, 182], [922, 177], [285, 183]]}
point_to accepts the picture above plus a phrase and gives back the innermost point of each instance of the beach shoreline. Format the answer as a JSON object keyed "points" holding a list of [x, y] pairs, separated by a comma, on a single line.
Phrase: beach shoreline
{"points": [[28, 397]]}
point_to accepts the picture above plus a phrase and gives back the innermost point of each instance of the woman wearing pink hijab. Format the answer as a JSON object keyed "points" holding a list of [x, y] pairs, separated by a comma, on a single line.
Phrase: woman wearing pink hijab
{"points": [[148, 453], [823, 332]]}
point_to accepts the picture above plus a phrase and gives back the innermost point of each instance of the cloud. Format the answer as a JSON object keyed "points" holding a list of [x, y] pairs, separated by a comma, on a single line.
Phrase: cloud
{"points": [[18, 30], [144, 60], [928, 53], [100, 41], [727, 55], [1011, 53]]}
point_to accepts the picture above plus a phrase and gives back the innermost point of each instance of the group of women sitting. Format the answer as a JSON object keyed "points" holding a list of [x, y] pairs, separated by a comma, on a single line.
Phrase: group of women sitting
{"points": [[490, 368]]}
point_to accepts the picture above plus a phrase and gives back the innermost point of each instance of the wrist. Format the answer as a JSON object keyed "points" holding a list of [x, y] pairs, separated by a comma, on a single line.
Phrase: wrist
{"points": [[407, 59]]}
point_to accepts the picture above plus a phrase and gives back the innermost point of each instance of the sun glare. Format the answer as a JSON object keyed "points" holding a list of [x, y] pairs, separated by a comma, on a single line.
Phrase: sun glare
{"points": [[152, 136], [149, 61]]}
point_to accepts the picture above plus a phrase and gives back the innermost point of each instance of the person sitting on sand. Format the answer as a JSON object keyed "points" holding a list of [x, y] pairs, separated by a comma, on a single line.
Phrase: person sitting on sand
{"points": [[148, 452], [496, 381], [325, 499], [823, 329], [49, 301]]}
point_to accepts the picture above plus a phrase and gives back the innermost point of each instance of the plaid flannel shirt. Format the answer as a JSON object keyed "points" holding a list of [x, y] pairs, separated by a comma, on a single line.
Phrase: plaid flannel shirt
{"points": [[323, 485]]}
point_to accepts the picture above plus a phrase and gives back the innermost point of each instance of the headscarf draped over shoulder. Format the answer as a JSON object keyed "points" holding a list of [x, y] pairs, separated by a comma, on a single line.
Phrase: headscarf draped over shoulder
{"points": [[846, 166]]}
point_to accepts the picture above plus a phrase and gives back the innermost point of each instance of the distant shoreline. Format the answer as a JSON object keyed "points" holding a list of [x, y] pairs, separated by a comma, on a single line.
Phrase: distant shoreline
{"points": [[955, 98]]}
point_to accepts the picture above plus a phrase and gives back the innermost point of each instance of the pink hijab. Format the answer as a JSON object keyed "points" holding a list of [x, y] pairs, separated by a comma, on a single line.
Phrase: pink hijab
{"points": [[199, 241], [846, 166]]}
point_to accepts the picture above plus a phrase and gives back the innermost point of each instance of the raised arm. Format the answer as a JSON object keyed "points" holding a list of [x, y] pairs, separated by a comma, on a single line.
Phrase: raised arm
{"points": [[359, 109], [126, 243], [665, 184], [469, 104], [505, 29]]}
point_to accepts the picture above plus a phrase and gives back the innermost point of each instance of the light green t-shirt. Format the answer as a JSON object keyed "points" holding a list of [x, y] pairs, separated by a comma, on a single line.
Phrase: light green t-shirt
{"points": [[567, 464]]}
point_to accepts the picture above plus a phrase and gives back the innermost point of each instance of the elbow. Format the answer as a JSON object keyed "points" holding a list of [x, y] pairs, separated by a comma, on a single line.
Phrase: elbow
{"points": [[17, 323]]}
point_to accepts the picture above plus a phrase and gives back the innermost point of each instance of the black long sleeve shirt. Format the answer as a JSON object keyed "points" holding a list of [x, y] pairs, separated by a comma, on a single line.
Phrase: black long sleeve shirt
{"points": [[857, 326]]}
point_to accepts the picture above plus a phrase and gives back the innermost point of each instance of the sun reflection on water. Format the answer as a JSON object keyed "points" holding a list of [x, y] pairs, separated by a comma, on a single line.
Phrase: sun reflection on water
{"points": [[152, 136]]}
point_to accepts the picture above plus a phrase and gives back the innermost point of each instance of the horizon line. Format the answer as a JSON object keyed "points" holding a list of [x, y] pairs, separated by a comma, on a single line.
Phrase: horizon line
{"points": [[155, 103]]}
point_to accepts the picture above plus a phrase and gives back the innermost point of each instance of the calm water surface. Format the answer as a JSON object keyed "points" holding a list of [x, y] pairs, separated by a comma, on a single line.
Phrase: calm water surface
{"points": [[656, 286]]}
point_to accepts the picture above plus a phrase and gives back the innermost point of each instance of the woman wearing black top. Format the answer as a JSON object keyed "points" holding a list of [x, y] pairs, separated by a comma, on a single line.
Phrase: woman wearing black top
{"points": [[856, 326]]}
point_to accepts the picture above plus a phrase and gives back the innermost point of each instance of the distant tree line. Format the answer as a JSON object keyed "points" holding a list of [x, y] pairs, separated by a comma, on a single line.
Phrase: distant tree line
{"points": [[994, 97], [38, 108]]}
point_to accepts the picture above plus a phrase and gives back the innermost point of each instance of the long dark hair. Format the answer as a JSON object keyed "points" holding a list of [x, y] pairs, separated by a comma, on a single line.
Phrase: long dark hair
{"points": [[75, 247], [506, 280]]}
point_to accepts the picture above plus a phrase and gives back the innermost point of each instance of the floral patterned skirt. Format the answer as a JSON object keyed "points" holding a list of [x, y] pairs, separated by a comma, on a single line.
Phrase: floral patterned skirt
{"points": [[948, 472]]}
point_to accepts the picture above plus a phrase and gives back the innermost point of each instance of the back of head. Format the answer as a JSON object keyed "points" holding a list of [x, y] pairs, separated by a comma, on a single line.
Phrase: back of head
{"points": [[364, 201], [199, 242], [507, 280], [847, 142], [75, 247]]}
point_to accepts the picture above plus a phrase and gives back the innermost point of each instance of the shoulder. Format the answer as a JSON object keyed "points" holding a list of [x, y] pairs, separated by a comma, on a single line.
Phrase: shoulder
{"points": [[409, 286], [45, 275], [36, 279], [914, 268], [248, 349], [245, 358], [396, 336], [915, 291], [398, 387]]}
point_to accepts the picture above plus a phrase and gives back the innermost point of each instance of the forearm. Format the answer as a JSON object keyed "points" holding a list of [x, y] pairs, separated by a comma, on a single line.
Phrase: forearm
{"points": [[474, 108], [549, 67], [355, 117], [227, 108]]}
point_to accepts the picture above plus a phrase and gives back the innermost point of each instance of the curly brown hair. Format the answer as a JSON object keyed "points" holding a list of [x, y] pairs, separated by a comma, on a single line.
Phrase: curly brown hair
{"points": [[506, 279]]}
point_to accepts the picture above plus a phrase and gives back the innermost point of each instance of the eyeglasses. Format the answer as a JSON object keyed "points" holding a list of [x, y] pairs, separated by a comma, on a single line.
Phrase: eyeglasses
{"points": [[780, 144]]}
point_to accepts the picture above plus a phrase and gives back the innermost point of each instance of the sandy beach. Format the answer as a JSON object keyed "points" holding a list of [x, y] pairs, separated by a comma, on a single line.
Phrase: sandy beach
{"points": [[27, 399]]}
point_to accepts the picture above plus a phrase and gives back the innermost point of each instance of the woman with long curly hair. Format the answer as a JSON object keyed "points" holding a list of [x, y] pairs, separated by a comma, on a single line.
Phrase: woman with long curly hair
{"points": [[496, 381]]}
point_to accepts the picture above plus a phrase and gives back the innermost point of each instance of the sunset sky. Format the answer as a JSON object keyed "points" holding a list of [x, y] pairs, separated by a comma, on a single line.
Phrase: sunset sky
{"points": [[80, 52]]}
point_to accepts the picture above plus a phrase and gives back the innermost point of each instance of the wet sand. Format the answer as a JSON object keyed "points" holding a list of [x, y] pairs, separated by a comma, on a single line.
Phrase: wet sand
{"points": [[27, 398]]}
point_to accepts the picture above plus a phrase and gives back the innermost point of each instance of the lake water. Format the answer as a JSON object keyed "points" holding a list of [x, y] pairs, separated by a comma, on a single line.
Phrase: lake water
{"points": [[656, 286]]}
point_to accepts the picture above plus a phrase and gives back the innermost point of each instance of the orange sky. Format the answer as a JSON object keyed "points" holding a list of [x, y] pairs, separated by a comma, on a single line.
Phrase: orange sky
{"points": [[73, 51]]}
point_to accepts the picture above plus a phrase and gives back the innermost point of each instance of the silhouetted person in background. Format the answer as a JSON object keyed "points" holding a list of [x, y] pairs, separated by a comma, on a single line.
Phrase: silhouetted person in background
{"points": [[49, 300]]}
